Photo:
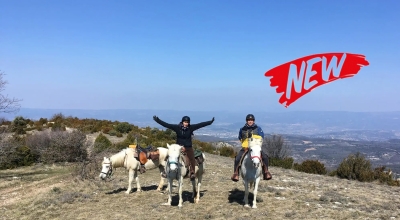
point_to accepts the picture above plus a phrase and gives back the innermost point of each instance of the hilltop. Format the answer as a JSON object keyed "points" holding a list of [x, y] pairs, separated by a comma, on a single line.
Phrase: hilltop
{"points": [[52, 192]]}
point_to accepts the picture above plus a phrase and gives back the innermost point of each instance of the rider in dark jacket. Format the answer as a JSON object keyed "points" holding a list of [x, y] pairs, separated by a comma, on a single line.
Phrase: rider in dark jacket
{"points": [[184, 131], [250, 128]]}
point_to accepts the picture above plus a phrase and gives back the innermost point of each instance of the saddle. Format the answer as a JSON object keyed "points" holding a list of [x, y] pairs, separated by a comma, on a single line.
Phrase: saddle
{"points": [[144, 154], [198, 157]]}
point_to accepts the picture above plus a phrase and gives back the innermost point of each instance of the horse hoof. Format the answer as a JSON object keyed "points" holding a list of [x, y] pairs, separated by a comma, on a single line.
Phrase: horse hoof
{"points": [[197, 201], [246, 206], [167, 204], [254, 207], [127, 192]]}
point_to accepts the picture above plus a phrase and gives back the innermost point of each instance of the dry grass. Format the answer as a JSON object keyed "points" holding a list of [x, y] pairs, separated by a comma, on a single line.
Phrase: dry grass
{"points": [[51, 192]]}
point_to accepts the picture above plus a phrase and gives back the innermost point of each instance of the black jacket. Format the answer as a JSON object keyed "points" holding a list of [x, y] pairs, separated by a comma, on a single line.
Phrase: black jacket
{"points": [[183, 136]]}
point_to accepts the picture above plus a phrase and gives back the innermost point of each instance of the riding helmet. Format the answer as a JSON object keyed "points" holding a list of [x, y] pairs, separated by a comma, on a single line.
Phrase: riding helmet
{"points": [[250, 117], [186, 118]]}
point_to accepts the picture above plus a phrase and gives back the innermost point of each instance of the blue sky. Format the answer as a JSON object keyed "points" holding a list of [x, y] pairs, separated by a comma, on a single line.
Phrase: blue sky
{"points": [[193, 55]]}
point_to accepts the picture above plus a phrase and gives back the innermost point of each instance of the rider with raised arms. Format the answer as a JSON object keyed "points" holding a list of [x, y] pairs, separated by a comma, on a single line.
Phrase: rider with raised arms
{"points": [[184, 131]]}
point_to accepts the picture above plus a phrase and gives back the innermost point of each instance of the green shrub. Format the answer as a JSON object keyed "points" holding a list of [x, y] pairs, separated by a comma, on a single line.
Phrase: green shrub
{"points": [[101, 143], [311, 166], [18, 125], [385, 176], [112, 132], [123, 127], [356, 167], [286, 163], [227, 151]]}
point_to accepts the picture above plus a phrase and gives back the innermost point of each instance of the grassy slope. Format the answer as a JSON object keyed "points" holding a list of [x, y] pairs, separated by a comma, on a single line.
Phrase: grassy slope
{"points": [[51, 192]]}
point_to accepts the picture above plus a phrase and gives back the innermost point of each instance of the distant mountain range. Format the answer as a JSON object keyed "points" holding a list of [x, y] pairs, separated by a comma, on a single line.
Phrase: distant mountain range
{"points": [[228, 122]]}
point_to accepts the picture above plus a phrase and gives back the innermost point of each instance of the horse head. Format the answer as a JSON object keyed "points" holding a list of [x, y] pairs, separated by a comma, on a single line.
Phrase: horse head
{"points": [[106, 170], [255, 145], [174, 152]]}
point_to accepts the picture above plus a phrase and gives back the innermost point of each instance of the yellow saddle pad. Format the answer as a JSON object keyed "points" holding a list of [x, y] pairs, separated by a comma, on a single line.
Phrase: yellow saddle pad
{"points": [[245, 142], [132, 146]]}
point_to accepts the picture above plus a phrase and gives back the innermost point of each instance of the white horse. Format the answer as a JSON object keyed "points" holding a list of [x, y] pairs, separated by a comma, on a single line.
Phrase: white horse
{"points": [[251, 169], [175, 169], [125, 158]]}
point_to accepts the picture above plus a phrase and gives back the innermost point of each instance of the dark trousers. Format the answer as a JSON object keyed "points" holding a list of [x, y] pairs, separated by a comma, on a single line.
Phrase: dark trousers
{"points": [[264, 157], [190, 153]]}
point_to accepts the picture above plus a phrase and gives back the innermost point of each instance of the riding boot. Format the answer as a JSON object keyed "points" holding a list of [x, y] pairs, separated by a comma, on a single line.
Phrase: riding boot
{"points": [[190, 153], [235, 176], [266, 174]]}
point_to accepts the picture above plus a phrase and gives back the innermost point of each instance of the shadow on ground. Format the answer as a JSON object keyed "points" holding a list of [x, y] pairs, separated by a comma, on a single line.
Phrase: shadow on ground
{"points": [[237, 196], [186, 196]]}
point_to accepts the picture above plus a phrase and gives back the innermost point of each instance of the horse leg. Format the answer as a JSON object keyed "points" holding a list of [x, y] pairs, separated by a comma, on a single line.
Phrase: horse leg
{"points": [[180, 191], [255, 193], [194, 187], [139, 189], [130, 181], [246, 194], [161, 184], [169, 192], [199, 179]]}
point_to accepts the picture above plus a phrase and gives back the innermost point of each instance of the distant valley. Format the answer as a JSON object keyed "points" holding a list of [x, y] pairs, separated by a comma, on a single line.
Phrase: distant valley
{"points": [[326, 136]]}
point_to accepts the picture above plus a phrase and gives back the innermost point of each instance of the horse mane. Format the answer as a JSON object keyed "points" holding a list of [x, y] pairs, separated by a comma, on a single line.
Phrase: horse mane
{"points": [[119, 158]]}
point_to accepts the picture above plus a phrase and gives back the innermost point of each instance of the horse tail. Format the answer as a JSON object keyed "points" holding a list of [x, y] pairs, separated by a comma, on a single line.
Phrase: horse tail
{"points": [[204, 163]]}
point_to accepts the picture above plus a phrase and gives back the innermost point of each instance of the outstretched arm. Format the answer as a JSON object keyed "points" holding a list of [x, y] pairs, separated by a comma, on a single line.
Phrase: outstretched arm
{"points": [[201, 124], [163, 123]]}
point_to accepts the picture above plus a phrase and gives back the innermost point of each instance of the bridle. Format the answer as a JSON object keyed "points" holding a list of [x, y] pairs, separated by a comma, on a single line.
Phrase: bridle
{"points": [[110, 170], [177, 164], [257, 156]]}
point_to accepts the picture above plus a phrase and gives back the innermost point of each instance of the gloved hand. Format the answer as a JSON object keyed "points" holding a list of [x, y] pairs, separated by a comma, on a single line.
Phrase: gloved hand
{"points": [[155, 118]]}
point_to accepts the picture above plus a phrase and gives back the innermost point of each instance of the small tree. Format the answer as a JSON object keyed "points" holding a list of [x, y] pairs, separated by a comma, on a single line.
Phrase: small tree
{"points": [[7, 105], [18, 125]]}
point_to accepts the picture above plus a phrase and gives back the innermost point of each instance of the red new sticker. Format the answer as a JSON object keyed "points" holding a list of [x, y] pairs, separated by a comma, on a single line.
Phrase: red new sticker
{"points": [[298, 77]]}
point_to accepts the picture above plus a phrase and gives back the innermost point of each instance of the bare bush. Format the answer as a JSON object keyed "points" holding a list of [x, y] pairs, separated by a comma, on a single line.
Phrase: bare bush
{"points": [[59, 146], [276, 147]]}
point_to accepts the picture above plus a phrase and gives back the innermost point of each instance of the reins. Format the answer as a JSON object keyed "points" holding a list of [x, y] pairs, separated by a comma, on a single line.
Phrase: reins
{"points": [[110, 170]]}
